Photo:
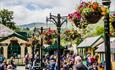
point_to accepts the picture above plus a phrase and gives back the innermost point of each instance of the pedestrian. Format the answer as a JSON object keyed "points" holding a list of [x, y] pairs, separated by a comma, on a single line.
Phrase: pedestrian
{"points": [[94, 66], [9, 67], [13, 62], [101, 67], [52, 64], [5, 65], [78, 64], [26, 60], [88, 60], [1, 66]]}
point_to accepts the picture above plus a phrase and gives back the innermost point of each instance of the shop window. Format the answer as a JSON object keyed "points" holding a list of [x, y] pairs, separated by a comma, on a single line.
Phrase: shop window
{"points": [[1, 50], [14, 50]]}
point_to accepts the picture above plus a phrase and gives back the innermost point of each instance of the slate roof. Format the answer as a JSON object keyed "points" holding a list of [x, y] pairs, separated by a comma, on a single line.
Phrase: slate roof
{"points": [[5, 31], [88, 42], [101, 47], [12, 35]]}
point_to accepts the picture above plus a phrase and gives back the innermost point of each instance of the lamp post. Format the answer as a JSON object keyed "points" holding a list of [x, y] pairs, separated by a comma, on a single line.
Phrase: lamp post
{"points": [[58, 21], [41, 47], [107, 36], [33, 47], [40, 30]]}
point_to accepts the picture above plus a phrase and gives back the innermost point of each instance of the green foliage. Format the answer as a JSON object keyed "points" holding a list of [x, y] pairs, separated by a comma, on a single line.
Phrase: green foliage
{"points": [[99, 30], [18, 29], [112, 30], [6, 18]]}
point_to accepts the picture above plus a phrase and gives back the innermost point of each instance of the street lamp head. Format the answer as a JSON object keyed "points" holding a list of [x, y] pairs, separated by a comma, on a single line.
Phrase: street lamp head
{"points": [[106, 2], [50, 16], [46, 19]]}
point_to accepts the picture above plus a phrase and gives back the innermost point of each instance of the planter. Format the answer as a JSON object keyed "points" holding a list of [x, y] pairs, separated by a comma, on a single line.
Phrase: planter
{"points": [[93, 17], [75, 18], [113, 24], [92, 11], [76, 22]]}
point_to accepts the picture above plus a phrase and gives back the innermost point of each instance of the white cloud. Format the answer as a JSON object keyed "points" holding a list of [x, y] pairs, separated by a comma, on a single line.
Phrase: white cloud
{"points": [[24, 14]]}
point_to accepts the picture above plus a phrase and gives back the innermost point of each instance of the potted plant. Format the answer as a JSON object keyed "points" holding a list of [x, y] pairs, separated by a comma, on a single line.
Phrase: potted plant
{"points": [[112, 20], [75, 18], [91, 11]]}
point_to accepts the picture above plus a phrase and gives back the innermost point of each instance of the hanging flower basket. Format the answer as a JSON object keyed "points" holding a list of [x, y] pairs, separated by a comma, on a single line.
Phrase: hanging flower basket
{"points": [[112, 20], [91, 11], [93, 17], [75, 18], [113, 24]]}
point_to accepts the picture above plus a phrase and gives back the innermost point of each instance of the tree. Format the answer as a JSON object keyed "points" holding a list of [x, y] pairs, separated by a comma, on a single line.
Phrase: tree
{"points": [[6, 18]]}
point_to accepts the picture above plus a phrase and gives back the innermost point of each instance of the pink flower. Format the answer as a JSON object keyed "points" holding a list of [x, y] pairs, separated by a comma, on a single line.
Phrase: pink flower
{"points": [[70, 16], [77, 15], [113, 15]]}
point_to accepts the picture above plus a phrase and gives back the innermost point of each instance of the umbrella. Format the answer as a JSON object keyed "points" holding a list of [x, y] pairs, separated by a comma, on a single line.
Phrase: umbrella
{"points": [[53, 47]]}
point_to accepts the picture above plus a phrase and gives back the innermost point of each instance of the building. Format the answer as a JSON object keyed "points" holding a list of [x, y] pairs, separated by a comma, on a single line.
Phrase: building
{"points": [[101, 52], [89, 45], [95, 45], [14, 44]]}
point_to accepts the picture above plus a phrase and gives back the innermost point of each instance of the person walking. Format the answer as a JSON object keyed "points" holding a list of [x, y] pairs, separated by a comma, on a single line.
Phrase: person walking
{"points": [[94, 67], [9, 67], [27, 59], [52, 64], [101, 67], [78, 64]]}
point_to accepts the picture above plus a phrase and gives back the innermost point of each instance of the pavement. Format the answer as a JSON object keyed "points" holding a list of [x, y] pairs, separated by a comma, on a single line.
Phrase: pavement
{"points": [[20, 68]]}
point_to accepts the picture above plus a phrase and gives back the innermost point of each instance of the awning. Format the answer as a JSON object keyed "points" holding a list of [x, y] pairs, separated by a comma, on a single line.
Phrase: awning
{"points": [[90, 41], [53, 47]]}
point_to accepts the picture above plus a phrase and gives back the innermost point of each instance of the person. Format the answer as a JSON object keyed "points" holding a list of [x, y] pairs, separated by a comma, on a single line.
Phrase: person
{"points": [[101, 67], [78, 64], [52, 64], [88, 60], [9, 67], [2, 58], [26, 61], [94, 67], [1, 66], [36, 61], [4, 65], [13, 62]]}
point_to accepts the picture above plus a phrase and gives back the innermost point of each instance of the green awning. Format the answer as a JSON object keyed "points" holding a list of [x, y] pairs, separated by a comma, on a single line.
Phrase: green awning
{"points": [[53, 47]]}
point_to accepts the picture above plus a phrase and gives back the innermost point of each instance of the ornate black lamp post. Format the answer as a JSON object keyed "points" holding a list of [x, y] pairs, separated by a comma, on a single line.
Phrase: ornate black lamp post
{"points": [[40, 30], [58, 21], [107, 36], [41, 47], [36, 44], [33, 49]]}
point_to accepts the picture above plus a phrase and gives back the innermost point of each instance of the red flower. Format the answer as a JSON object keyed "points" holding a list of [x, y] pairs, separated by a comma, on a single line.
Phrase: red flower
{"points": [[113, 15]]}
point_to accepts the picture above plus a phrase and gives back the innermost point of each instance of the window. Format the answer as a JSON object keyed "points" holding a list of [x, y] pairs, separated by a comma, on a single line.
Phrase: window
{"points": [[1, 50], [14, 50], [113, 57]]}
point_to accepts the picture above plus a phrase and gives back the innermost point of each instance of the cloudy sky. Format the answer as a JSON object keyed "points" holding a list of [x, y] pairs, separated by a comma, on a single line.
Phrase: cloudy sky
{"points": [[28, 11]]}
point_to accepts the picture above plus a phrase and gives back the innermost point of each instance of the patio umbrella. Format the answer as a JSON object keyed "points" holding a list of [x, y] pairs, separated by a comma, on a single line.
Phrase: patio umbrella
{"points": [[53, 47]]}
